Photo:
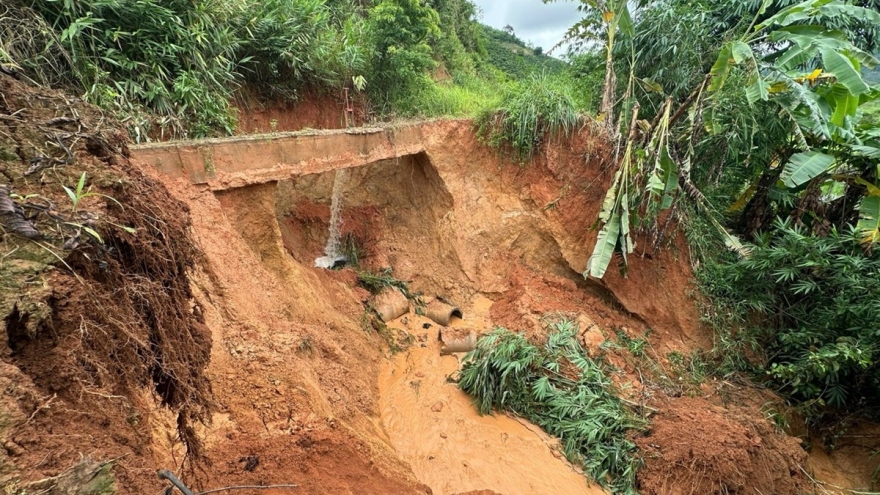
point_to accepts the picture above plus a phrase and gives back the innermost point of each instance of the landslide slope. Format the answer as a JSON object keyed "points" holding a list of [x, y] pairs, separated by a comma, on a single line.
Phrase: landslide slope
{"points": [[193, 333]]}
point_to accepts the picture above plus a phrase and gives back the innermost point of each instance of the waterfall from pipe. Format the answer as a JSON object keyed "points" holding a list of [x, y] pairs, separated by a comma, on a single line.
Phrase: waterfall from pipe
{"points": [[332, 255]]}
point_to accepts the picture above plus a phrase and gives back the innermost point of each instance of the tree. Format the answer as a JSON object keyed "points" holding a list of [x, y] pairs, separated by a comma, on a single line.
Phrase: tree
{"points": [[768, 140], [773, 62], [401, 30], [615, 16]]}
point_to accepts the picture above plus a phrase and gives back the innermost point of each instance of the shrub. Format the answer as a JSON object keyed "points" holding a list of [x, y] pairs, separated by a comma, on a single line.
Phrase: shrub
{"points": [[817, 302], [183, 60], [175, 58], [401, 31], [289, 44], [527, 114], [560, 389]]}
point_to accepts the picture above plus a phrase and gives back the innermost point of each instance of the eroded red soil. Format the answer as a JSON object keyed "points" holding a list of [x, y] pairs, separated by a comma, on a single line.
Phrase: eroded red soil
{"points": [[295, 366]]}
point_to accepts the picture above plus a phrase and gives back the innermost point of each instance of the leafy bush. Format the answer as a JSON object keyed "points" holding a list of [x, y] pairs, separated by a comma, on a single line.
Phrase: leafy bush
{"points": [[820, 297], [175, 58], [461, 44], [586, 72], [561, 390], [289, 44], [183, 60], [401, 31], [528, 113]]}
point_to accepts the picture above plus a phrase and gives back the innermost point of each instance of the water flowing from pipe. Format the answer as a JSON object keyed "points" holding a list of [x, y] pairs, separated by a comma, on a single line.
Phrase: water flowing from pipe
{"points": [[332, 250]]}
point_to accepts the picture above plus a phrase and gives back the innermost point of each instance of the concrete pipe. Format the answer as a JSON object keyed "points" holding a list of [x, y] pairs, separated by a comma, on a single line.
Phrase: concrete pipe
{"points": [[391, 304], [457, 340], [441, 313]]}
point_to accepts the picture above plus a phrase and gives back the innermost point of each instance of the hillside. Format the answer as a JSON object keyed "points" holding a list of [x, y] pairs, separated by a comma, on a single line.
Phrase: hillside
{"points": [[514, 57]]}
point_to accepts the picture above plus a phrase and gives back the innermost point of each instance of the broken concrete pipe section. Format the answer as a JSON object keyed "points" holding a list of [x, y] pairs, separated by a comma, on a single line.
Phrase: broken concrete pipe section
{"points": [[442, 313], [457, 340], [391, 304]]}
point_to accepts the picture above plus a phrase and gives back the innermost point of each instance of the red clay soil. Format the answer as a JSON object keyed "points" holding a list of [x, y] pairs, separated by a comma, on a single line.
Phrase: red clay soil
{"points": [[695, 446], [112, 329], [313, 110], [247, 365]]}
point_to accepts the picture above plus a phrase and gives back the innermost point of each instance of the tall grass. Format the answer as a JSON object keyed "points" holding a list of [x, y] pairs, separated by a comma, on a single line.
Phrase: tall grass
{"points": [[563, 391], [465, 97], [180, 60], [529, 112]]}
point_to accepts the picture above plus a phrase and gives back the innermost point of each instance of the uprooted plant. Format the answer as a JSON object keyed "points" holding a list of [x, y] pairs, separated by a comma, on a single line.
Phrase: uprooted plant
{"points": [[559, 388]]}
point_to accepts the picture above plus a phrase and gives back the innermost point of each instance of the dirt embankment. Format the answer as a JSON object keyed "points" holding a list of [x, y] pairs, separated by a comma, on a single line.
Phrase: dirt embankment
{"points": [[95, 298], [464, 225], [314, 109], [291, 390]]}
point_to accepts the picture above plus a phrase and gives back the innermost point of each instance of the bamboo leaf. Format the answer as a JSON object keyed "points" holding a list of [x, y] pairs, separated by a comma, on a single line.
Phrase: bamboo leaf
{"points": [[804, 167]]}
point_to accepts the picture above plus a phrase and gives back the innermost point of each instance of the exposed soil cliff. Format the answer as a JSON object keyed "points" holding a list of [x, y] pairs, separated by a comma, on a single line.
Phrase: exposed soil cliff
{"points": [[206, 342]]}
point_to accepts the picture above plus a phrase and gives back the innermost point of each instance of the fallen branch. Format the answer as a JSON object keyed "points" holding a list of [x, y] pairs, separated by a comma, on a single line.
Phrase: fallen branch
{"points": [[165, 474]]}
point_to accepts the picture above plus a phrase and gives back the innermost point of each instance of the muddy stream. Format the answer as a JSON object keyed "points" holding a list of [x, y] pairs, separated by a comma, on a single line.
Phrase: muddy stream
{"points": [[435, 427]]}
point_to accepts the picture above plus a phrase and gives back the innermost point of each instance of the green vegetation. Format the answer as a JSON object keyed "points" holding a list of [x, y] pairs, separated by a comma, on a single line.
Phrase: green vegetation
{"points": [[528, 113], [558, 387], [175, 65], [757, 122], [401, 30], [819, 293], [172, 69], [513, 57], [379, 281]]}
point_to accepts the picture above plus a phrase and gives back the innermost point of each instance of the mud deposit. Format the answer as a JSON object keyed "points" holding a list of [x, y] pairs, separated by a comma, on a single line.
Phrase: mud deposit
{"points": [[436, 429]]}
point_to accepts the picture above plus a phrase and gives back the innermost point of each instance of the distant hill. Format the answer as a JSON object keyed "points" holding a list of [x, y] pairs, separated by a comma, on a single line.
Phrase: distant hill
{"points": [[515, 58]]}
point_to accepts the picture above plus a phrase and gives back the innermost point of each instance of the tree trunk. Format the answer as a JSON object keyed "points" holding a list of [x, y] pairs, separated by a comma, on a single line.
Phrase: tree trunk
{"points": [[607, 107], [758, 213]]}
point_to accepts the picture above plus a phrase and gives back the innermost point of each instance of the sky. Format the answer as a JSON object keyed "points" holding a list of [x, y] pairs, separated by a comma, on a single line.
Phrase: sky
{"points": [[542, 24]]}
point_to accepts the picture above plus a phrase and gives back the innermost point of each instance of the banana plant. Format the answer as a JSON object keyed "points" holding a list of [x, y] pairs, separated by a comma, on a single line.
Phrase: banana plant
{"points": [[615, 17], [813, 73]]}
